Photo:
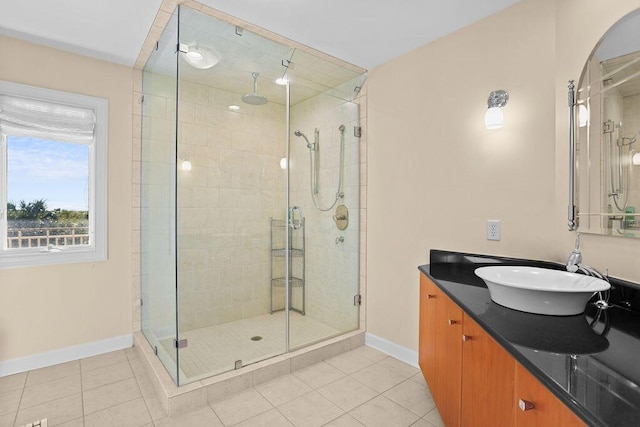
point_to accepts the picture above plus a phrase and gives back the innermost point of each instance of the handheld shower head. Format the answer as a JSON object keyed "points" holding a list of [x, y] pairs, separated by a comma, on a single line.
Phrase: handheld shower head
{"points": [[298, 133]]}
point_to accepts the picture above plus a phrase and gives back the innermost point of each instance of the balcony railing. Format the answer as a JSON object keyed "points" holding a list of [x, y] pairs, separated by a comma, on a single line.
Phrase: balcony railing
{"points": [[39, 237]]}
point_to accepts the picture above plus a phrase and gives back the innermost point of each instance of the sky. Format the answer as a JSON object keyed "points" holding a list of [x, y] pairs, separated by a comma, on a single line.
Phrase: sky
{"points": [[57, 172]]}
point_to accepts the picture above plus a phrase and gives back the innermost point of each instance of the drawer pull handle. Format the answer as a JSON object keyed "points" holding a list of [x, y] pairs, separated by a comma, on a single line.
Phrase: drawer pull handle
{"points": [[453, 322], [466, 337], [525, 405], [430, 296]]}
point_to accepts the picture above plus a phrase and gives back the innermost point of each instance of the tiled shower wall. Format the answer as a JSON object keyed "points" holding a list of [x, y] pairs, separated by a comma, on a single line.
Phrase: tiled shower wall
{"points": [[225, 203], [332, 265]]}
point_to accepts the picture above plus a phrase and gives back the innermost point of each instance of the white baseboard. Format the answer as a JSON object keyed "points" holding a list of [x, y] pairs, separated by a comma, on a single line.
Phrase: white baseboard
{"points": [[392, 349], [67, 354]]}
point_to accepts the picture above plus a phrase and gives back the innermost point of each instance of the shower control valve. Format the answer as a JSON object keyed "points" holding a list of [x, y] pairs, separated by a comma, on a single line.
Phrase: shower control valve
{"points": [[295, 221]]}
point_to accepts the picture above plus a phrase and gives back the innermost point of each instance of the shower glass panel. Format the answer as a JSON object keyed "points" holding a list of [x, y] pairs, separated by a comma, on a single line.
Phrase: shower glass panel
{"points": [[157, 200], [325, 174], [256, 268], [226, 200]]}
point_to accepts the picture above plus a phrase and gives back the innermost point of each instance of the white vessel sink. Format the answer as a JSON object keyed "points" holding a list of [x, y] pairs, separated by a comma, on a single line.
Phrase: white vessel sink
{"points": [[540, 290]]}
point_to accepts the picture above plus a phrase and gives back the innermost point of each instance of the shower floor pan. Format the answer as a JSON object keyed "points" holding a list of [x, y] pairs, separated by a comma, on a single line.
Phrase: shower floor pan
{"points": [[215, 349]]}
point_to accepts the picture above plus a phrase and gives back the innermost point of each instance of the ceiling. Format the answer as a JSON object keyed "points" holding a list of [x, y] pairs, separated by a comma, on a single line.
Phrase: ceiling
{"points": [[353, 30]]}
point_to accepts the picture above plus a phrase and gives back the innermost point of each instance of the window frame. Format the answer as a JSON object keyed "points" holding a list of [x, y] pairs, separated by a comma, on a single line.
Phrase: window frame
{"points": [[96, 250]]}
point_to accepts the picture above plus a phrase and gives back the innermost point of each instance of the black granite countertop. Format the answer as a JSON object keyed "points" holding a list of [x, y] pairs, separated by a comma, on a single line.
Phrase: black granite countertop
{"points": [[591, 361]]}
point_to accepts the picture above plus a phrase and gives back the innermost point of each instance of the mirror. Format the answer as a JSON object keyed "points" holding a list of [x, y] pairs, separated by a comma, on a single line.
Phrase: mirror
{"points": [[607, 134]]}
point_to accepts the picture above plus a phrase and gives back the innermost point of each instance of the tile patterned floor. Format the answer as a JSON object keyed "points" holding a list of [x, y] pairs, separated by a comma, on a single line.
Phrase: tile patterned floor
{"points": [[360, 388], [214, 349]]}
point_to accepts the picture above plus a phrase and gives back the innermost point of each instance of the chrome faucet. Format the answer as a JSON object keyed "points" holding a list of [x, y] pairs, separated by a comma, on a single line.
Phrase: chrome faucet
{"points": [[574, 264], [575, 259]]}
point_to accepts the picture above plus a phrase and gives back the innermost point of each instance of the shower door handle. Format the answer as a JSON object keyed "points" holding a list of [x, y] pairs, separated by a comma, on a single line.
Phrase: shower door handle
{"points": [[293, 222]]}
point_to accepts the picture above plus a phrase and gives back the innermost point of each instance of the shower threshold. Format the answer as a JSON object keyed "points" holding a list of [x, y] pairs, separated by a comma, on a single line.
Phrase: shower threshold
{"points": [[200, 392]]}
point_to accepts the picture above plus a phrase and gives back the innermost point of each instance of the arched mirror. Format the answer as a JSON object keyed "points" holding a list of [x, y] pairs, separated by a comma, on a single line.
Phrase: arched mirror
{"points": [[607, 134]]}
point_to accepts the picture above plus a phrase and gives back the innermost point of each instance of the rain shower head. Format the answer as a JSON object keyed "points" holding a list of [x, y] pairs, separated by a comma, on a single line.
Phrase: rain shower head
{"points": [[254, 98]]}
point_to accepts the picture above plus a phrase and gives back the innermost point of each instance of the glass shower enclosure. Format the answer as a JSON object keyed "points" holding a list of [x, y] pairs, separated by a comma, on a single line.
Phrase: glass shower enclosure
{"points": [[250, 197]]}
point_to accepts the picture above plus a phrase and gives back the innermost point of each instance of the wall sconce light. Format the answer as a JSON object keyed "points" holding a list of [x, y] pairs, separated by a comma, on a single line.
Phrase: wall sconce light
{"points": [[636, 159], [185, 165], [493, 117], [283, 163]]}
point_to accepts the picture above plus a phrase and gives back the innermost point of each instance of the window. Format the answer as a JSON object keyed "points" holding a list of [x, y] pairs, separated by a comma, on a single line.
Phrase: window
{"points": [[53, 168]]}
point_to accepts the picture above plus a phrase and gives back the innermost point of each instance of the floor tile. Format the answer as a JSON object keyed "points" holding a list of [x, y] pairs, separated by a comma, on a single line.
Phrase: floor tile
{"points": [[419, 379], [319, 374], [349, 362], [103, 360], [56, 411], [50, 373], [12, 382], [131, 353], [241, 407], [145, 384], [412, 396], [401, 368], [271, 418], [154, 407], [422, 423], [347, 393], [283, 389], [51, 390], [382, 412], [106, 375], [78, 422], [369, 353], [310, 410], [9, 401], [138, 367], [109, 395], [114, 389], [378, 377], [344, 421], [7, 420], [199, 417], [129, 414], [434, 418]]}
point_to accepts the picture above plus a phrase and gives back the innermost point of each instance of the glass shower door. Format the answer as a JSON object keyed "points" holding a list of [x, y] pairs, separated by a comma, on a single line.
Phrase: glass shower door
{"points": [[230, 197], [157, 200], [324, 182]]}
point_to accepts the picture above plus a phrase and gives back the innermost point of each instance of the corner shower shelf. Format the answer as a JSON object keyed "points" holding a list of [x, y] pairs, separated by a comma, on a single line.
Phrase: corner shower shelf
{"points": [[277, 252], [295, 262], [279, 281]]}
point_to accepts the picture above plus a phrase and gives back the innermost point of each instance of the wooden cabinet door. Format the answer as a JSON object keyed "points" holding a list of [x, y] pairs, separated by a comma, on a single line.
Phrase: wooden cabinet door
{"points": [[448, 357], [547, 409], [488, 373], [427, 338]]}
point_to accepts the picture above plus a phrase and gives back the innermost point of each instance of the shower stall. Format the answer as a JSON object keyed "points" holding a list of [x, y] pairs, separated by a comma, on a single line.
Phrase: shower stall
{"points": [[244, 256]]}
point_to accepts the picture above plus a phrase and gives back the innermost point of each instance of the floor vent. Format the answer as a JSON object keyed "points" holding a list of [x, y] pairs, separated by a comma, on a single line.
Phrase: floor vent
{"points": [[41, 423]]}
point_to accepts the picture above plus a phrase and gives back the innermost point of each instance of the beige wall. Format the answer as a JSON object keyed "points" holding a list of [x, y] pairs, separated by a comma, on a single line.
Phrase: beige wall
{"points": [[52, 307], [436, 175]]}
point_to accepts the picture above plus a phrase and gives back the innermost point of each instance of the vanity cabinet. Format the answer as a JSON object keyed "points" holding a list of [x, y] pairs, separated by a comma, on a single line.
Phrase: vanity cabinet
{"points": [[440, 328], [488, 373], [428, 296], [547, 410], [473, 379]]}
